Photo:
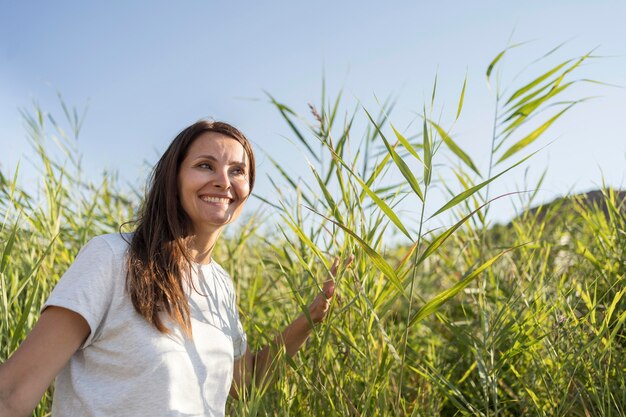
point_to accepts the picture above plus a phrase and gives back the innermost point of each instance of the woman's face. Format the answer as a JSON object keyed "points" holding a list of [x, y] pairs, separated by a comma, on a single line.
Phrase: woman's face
{"points": [[213, 181]]}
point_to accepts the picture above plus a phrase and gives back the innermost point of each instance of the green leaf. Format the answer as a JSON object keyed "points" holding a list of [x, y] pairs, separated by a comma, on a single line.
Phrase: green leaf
{"points": [[532, 136], [428, 156], [329, 198], [286, 177], [8, 246], [335, 108], [525, 110], [432, 99], [404, 169], [302, 236], [494, 62], [379, 202], [536, 81], [377, 171], [467, 193], [617, 324], [434, 304], [556, 89], [498, 57], [513, 108], [376, 258], [283, 112], [367, 190], [438, 241], [18, 330], [407, 145], [455, 148], [462, 98], [34, 269]]}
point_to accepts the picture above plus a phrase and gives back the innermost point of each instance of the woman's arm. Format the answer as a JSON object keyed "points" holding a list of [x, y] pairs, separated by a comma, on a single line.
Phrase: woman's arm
{"points": [[26, 375], [261, 364]]}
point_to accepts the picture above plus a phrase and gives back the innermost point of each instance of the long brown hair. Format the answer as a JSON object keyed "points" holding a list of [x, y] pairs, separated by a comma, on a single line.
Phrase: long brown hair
{"points": [[158, 258]]}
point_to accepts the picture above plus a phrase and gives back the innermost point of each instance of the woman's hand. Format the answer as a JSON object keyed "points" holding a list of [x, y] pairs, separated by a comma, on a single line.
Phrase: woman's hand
{"points": [[292, 338], [321, 304]]}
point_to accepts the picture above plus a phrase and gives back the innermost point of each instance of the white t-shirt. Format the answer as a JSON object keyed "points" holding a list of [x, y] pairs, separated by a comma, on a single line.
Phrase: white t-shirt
{"points": [[126, 367]]}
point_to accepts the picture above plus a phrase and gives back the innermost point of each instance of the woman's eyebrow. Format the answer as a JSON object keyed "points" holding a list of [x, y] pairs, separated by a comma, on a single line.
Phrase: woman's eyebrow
{"points": [[214, 159]]}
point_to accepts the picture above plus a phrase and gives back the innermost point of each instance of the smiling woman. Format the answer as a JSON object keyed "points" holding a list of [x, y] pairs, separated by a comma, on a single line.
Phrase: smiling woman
{"points": [[213, 182], [147, 323]]}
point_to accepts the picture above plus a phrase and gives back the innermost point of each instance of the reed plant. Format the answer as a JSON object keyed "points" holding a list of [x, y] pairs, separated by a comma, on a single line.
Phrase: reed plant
{"points": [[44, 227], [469, 318]]}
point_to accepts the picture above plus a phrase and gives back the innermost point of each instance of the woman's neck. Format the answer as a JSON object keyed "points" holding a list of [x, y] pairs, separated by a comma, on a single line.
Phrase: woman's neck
{"points": [[201, 247]]}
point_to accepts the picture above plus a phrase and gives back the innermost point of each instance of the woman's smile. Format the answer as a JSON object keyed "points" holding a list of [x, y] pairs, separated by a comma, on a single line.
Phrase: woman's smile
{"points": [[216, 200]]}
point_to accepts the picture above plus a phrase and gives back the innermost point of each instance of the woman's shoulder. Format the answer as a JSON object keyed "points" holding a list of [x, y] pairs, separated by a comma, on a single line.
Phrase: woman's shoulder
{"points": [[116, 243], [219, 270], [221, 274]]}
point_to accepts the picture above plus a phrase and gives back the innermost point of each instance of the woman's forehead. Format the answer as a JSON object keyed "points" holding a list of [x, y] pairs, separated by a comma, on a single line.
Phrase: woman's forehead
{"points": [[217, 146]]}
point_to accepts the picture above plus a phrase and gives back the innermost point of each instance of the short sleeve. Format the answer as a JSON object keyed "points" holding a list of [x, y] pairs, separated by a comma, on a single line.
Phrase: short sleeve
{"points": [[87, 286]]}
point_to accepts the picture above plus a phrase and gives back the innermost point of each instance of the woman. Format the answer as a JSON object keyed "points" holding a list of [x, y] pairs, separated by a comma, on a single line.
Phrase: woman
{"points": [[146, 324]]}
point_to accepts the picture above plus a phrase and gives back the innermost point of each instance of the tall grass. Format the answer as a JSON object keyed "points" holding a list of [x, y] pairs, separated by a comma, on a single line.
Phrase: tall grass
{"points": [[43, 229], [466, 319]]}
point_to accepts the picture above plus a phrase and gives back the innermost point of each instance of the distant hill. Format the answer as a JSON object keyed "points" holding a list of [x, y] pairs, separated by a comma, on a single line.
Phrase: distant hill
{"points": [[594, 198]]}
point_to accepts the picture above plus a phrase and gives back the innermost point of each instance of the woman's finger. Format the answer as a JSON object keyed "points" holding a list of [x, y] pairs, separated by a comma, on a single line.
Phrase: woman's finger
{"points": [[329, 289], [349, 260], [335, 267]]}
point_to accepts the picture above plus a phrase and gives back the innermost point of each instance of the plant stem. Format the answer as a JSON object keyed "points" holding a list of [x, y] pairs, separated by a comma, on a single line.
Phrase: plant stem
{"points": [[413, 275]]}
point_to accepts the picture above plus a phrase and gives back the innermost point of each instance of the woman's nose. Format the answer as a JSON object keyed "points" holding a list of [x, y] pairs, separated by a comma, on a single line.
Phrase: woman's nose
{"points": [[221, 179]]}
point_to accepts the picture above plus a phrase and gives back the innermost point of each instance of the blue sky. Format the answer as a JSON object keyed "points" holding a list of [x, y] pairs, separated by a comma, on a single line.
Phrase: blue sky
{"points": [[149, 68]]}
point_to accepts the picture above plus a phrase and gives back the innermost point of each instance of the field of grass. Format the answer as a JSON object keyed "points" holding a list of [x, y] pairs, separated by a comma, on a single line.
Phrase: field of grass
{"points": [[468, 319]]}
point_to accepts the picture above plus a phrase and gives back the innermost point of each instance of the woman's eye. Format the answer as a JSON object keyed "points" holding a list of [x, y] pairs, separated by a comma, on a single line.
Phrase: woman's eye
{"points": [[238, 171], [205, 165]]}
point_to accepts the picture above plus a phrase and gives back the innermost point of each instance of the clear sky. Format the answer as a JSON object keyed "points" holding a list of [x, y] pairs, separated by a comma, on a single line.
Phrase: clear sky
{"points": [[149, 68]]}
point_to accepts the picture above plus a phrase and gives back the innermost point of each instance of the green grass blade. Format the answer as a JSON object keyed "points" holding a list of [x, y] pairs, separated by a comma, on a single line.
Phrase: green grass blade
{"points": [[525, 110], [434, 304], [266, 201], [617, 326], [329, 198], [524, 107], [8, 246], [461, 99], [432, 98], [407, 145], [402, 166], [516, 107], [377, 171], [285, 111], [493, 63], [455, 148], [287, 178], [18, 330], [467, 193], [379, 201], [376, 258], [303, 237], [536, 81], [373, 195], [34, 269], [498, 57], [333, 112], [428, 156], [521, 144], [439, 240]]}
